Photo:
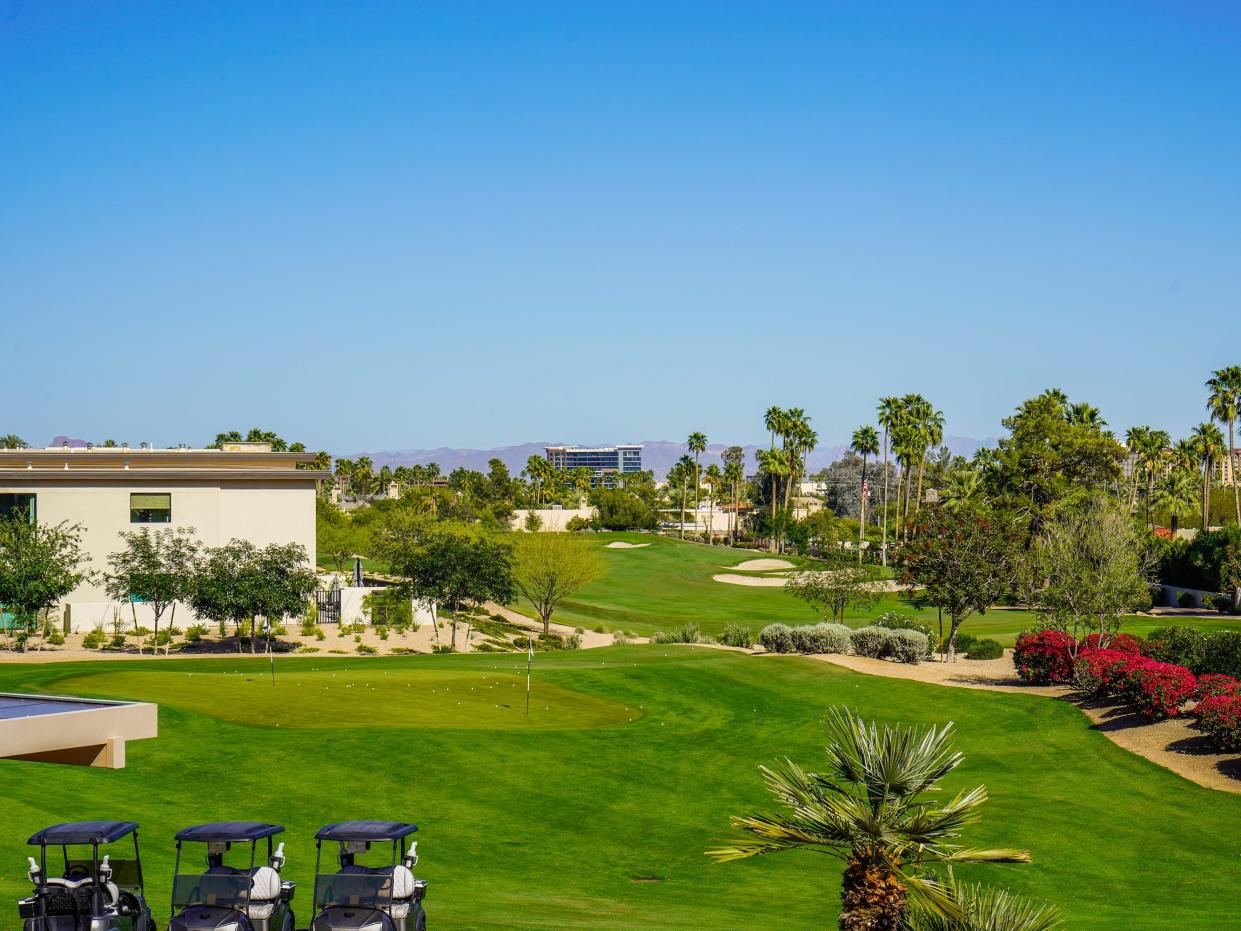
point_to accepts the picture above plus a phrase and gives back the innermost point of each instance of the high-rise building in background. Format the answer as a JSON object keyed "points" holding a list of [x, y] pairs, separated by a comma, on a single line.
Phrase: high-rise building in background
{"points": [[603, 461]]}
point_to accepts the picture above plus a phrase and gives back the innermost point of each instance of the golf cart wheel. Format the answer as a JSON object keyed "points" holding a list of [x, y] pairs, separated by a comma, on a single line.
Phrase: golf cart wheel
{"points": [[289, 923], [421, 923]]}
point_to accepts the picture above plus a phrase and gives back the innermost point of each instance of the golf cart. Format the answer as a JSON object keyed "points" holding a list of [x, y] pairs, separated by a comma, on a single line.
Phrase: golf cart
{"points": [[250, 897], [90, 894], [368, 898]]}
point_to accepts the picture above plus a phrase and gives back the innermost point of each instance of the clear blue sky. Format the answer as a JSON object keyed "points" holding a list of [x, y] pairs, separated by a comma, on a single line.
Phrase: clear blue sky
{"points": [[381, 225]]}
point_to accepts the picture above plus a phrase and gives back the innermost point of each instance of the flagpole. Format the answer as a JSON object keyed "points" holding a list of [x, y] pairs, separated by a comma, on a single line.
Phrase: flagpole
{"points": [[529, 659]]}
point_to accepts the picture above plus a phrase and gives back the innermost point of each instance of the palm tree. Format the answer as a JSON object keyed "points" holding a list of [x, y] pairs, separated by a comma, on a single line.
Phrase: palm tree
{"points": [[1185, 455], [889, 417], [984, 908], [697, 445], [12, 441], [734, 475], [713, 477], [1082, 414], [1135, 440], [776, 464], [865, 444], [873, 808], [931, 431], [1153, 459], [1177, 494], [1209, 444], [686, 472], [1224, 403], [774, 419]]}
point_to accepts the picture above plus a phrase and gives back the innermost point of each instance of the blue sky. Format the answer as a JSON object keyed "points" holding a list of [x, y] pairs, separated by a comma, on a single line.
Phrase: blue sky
{"points": [[382, 225]]}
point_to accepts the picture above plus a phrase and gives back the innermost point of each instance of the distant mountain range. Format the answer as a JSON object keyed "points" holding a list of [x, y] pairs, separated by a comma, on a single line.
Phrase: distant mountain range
{"points": [[657, 455]]}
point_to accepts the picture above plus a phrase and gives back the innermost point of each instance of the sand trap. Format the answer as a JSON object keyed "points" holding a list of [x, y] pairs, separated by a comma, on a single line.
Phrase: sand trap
{"points": [[620, 545], [762, 565], [762, 581]]}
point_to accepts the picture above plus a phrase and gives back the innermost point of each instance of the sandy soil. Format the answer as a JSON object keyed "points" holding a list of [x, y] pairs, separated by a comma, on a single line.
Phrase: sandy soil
{"points": [[761, 565], [1173, 743], [622, 545], [755, 580]]}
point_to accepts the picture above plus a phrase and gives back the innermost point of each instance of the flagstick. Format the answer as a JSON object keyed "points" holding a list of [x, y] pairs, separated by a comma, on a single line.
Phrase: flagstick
{"points": [[529, 657]]}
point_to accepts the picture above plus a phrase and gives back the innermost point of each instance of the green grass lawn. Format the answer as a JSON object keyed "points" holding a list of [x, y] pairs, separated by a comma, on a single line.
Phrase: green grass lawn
{"points": [[586, 818], [669, 584]]}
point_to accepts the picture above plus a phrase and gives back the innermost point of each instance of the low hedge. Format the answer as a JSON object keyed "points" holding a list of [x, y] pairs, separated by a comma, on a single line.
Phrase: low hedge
{"points": [[821, 638], [1044, 657], [736, 635], [1219, 717], [871, 641], [907, 646], [1156, 690], [776, 638], [985, 649]]}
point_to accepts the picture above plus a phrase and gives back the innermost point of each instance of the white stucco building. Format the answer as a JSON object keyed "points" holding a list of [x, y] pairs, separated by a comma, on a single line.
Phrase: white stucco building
{"points": [[242, 491]]}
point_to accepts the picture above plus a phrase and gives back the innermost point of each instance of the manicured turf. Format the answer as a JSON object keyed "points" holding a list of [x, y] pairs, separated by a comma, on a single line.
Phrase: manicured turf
{"points": [[606, 825]]}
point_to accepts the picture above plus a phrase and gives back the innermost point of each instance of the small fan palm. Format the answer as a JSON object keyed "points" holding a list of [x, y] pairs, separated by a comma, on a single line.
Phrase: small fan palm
{"points": [[984, 908], [871, 809]]}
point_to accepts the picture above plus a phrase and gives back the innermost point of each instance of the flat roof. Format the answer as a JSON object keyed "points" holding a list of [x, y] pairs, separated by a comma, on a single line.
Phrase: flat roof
{"points": [[228, 831], [83, 832], [67, 729], [366, 831], [148, 476]]}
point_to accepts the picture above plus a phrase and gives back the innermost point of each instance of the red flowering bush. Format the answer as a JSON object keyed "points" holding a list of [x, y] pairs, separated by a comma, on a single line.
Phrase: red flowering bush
{"points": [[1044, 657], [1157, 690], [1213, 684], [1099, 673], [1124, 643], [1219, 717]]}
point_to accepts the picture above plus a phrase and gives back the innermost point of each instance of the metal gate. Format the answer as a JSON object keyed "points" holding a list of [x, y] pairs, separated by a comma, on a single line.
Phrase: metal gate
{"points": [[328, 603]]}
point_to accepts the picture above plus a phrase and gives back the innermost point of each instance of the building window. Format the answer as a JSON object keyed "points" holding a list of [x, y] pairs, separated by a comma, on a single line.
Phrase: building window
{"points": [[17, 506], [150, 509]]}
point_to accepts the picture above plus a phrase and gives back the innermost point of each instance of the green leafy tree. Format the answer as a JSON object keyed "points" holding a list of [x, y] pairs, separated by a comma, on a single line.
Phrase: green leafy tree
{"points": [[239, 582], [549, 567], [874, 807], [156, 568], [965, 560], [453, 565], [40, 564], [834, 590]]}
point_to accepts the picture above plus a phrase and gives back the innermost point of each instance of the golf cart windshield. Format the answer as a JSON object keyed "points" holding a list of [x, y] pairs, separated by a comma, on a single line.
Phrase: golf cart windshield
{"points": [[362, 888], [126, 874], [226, 889]]}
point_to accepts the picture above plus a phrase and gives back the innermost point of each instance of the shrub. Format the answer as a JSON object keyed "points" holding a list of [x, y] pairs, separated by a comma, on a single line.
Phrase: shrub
{"points": [[1219, 717], [310, 618], [1221, 603], [56, 638], [307, 649], [396, 651], [1221, 653], [964, 643], [195, 633], [1157, 690], [94, 639], [871, 641], [686, 634], [907, 646], [573, 642], [1186, 600], [1213, 684], [986, 649], [619, 636], [1181, 645], [893, 621], [366, 649], [1124, 643], [776, 638], [736, 635], [1096, 672], [1044, 657], [821, 638]]}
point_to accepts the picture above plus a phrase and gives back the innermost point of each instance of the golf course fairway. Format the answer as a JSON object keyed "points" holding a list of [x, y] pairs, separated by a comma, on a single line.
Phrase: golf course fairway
{"points": [[590, 819]]}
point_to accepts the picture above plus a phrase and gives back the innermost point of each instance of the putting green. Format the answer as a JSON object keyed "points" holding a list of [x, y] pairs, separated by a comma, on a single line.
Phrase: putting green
{"points": [[349, 696]]}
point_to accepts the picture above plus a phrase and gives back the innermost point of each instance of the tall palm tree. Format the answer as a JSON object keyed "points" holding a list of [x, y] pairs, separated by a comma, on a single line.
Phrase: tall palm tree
{"points": [[775, 463], [1209, 444], [931, 433], [1154, 460], [1082, 414], [681, 475], [874, 808], [1136, 438], [865, 443], [1177, 494], [734, 475], [774, 420], [888, 416], [1185, 455], [697, 444], [713, 477], [1224, 403]]}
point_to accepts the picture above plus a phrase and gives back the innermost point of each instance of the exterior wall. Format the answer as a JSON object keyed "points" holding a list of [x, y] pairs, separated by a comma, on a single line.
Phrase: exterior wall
{"points": [[218, 511], [352, 611], [554, 519]]}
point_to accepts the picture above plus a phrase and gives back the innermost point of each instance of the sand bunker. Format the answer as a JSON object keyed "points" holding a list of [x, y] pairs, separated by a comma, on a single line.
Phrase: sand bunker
{"points": [[620, 545], [762, 581], [762, 565]]}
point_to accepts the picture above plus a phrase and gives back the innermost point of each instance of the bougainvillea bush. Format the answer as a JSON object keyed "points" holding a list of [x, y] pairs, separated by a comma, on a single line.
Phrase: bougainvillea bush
{"points": [[1098, 673], [1213, 684], [1125, 643], [1219, 717], [1045, 657], [1157, 690]]}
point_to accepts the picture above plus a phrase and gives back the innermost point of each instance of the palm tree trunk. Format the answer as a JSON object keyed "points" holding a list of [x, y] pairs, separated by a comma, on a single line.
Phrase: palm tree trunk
{"points": [[1206, 493], [1232, 469], [861, 527], [921, 472], [872, 896], [771, 544], [682, 521], [883, 554]]}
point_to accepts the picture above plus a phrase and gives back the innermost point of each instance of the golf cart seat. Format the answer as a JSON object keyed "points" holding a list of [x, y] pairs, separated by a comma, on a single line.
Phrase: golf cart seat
{"points": [[264, 889], [402, 887], [73, 896]]}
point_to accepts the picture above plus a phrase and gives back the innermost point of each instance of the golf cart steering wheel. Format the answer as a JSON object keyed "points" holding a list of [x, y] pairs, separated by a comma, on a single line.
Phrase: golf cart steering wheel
{"points": [[77, 871]]}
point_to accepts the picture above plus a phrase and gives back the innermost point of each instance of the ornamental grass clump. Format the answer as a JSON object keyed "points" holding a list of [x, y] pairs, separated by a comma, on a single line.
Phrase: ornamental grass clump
{"points": [[1045, 657]]}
